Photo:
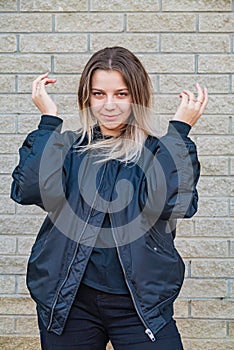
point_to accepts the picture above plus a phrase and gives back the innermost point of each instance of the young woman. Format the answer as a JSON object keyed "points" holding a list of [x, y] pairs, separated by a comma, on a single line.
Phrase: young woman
{"points": [[104, 266]]}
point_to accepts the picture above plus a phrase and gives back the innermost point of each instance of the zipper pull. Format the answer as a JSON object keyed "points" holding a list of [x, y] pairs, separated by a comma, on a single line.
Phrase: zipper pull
{"points": [[150, 334]]}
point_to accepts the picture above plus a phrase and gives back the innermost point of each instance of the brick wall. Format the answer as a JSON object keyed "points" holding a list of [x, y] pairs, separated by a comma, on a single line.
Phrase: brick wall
{"points": [[180, 42]]}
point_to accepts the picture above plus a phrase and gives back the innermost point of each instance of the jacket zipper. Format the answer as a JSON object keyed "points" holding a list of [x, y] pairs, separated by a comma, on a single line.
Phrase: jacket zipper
{"points": [[147, 329], [74, 255]]}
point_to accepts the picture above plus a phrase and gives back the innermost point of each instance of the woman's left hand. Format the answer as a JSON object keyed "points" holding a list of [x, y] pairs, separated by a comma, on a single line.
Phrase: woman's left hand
{"points": [[191, 109]]}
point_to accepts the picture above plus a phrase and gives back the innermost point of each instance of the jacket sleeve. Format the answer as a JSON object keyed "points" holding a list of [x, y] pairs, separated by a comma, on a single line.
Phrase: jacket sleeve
{"points": [[40, 176], [172, 179]]}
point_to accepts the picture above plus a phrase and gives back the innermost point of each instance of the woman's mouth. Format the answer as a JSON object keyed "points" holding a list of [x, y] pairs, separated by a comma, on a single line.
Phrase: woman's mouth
{"points": [[111, 117]]}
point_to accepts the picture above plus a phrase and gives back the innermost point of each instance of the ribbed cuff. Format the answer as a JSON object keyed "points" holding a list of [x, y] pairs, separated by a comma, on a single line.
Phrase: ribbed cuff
{"points": [[176, 126], [50, 122]]}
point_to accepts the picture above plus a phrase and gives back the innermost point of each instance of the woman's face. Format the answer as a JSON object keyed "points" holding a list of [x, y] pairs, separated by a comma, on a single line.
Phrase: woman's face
{"points": [[110, 101]]}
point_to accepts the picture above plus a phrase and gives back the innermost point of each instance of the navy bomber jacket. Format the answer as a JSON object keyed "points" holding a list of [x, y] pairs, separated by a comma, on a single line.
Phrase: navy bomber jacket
{"points": [[143, 201]]}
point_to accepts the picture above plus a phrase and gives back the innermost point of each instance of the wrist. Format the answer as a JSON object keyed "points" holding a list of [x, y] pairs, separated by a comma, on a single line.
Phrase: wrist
{"points": [[177, 119], [51, 112]]}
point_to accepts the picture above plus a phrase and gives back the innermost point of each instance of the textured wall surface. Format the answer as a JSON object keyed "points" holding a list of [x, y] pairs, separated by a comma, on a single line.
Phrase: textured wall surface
{"points": [[180, 42]]}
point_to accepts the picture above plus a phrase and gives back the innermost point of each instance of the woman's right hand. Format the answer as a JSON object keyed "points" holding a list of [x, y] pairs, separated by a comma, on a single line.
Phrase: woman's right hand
{"points": [[40, 96]]}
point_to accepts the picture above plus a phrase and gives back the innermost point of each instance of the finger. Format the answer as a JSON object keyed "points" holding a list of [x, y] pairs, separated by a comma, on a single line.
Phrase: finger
{"points": [[200, 95], [191, 98], [50, 81], [184, 97], [36, 82], [205, 101], [40, 77], [40, 87]]}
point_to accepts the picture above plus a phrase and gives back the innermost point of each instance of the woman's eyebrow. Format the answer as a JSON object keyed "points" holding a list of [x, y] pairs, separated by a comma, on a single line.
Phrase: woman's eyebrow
{"points": [[124, 88]]}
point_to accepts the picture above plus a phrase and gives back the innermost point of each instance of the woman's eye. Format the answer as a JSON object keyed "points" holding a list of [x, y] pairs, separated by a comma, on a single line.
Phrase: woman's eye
{"points": [[123, 94], [98, 94]]}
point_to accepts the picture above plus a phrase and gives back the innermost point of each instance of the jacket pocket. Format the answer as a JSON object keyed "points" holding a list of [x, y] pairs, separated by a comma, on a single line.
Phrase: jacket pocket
{"points": [[160, 242]]}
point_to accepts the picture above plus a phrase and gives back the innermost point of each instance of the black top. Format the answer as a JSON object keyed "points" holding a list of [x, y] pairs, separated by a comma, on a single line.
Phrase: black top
{"points": [[104, 271]]}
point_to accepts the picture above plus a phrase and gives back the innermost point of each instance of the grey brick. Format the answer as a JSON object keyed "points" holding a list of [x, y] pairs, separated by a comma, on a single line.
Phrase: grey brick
{"points": [[195, 288], [216, 186], [168, 63], [66, 103], [19, 224], [181, 308], [176, 83], [221, 309], [133, 42], [29, 209], [52, 43], [7, 284], [12, 265], [5, 184], [211, 125], [20, 343], [27, 325], [214, 227], [215, 145], [202, 328], [212, 268], [18, 104], [28, 123], [25, 245], [124, 5], [7, 84], [214, 165], [9, 5], [7, 145], [185, 228], [7, 164], [212, 207], [7, 206], [7, 125], [54, 5], [23, 305], [218, 344], [65, 84], [232, 166], [232, 248], [231, 207], [70, 63], [7, 43], [216, 22], [17, 23], [202, 248], [193, 5], [79, 22], [159, 22], [21, 285], [199, 43], [212, 64], [7, 325], [18, 63], [7, 244]]}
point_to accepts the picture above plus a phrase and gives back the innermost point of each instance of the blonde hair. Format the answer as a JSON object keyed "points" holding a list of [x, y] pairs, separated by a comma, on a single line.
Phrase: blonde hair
{"points": [[128, 145]]}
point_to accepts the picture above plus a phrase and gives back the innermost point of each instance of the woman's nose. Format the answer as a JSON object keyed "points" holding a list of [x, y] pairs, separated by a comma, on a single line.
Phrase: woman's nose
{"points": [[110, 103]]}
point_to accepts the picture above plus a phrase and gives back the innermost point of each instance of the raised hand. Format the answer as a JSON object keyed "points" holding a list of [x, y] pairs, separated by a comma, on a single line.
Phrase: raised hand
{"points": [[40, 96], [191, 109]]}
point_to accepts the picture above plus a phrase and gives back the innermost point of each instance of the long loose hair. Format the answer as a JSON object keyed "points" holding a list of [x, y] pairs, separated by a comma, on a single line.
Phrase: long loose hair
{"points": [[128, 145]]}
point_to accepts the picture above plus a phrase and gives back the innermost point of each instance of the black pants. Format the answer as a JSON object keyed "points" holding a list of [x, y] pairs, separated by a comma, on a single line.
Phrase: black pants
{"points": [[97, 317]]}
